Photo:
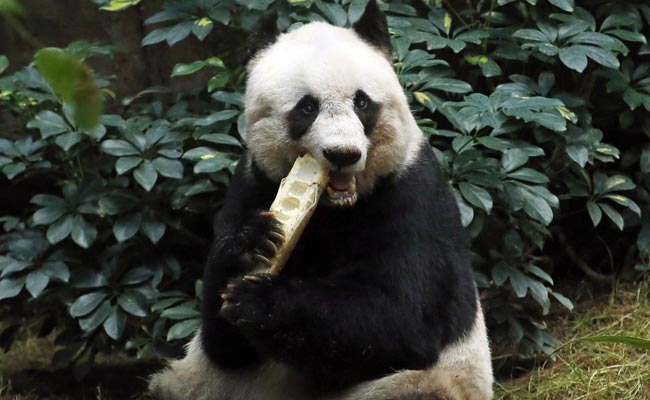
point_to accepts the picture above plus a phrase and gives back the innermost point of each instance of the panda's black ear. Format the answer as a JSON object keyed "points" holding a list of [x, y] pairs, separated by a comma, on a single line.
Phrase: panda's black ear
{"points": [[265, 34], [373, 28]]}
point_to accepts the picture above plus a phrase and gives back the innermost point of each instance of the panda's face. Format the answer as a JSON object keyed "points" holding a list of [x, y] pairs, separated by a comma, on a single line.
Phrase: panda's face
{"points": [[323, 90]]}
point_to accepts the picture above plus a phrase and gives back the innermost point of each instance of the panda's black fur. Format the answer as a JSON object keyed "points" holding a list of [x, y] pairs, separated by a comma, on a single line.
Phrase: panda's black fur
{"points": [[375, 288]]}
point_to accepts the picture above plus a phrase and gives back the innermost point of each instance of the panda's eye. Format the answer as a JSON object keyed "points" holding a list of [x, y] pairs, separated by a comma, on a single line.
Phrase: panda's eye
{"points": [[308, 106], [308, 109], [361, 100]]}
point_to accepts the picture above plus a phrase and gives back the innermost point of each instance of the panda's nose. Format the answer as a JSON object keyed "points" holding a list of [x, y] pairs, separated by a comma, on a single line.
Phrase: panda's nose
{"points": [[342, 157]]}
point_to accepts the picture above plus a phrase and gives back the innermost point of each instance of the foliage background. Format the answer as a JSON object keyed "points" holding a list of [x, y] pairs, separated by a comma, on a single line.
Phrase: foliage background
{"points": [[538, 110]]}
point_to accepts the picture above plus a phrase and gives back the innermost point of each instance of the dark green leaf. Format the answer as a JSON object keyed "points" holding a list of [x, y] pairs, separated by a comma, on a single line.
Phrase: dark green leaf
{"points": [[513, 159], [566, 5], [47, 200], [83, 233], [49, 123], [645, 160], [574, 57], [180, 312], [625, 202], [477, 196], [528, 175], [133, 302], [137, 275], [334, 13], [618, 182], [10, 287], [153, 228], [178, 32], [96, 318], [36, 282], [155, 36], [86, 303], [540, 294], [124, 164], [202, 27], [168, 168], [47, 215], [578, 153], [60, 229], [530, 35], [56, 270], [12, 170], [125, 227], [183, 329], [119, 148], [213, 164], [466, 212], [220, 138], [4, 63], [115, 323], [146, 175], [216, 117], [614, 215], [187, 69], [562, 300], [9, 265], [448, 85], [67, 140], [165, 303], [540, 273], [594, 213]]}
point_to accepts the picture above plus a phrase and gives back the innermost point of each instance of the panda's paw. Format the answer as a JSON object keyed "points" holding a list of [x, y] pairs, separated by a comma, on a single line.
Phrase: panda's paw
{"points": [[247, 302], [264, 236]]}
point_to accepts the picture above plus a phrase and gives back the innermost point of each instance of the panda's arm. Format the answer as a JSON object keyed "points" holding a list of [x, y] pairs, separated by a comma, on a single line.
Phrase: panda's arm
{"points": [[237, 225], [344, 329]]}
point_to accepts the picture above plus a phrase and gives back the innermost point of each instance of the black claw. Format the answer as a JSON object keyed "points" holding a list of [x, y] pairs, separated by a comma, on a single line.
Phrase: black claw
{"points": [[261, 259], [252, 278], [276, 237]]}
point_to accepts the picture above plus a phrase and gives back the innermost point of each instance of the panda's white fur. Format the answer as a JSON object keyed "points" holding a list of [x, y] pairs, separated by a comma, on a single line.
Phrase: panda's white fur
{"points": [[339, 65], [463, 372]]}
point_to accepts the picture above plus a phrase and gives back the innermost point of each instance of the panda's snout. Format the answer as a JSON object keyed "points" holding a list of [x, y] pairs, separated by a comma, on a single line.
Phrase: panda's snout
{"points": [[342, 157]]}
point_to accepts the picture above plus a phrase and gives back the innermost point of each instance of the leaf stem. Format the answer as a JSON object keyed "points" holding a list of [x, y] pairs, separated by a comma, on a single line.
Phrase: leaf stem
{"points": [[20, 29]]}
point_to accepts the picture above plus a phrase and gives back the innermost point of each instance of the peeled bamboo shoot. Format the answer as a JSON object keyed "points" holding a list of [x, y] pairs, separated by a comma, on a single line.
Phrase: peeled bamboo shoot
{"points": [[295, 203]]}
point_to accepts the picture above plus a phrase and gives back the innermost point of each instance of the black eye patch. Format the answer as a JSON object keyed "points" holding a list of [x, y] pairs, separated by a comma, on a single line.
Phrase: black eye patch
{"points": [[302, 116], [367, 110]]}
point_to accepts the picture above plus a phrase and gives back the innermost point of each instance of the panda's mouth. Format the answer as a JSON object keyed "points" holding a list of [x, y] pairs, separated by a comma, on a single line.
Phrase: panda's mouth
{"points": [[341, 190]]}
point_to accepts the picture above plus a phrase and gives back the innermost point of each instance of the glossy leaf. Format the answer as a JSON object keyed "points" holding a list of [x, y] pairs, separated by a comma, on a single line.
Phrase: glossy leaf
{"points": [[183, 329], [115, 323], [86, 303]]}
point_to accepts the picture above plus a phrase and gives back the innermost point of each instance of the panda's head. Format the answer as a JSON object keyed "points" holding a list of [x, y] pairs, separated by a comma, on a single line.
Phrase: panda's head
{"points": [[332, 92]]}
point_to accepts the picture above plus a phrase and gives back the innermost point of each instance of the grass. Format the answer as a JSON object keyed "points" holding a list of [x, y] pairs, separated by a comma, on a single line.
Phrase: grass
{"points": [[25, 375], [580, 371], [586, 371]]}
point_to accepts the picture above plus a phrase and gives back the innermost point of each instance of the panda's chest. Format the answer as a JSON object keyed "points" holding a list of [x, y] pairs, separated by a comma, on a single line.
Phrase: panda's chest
{"points": [[334, 239]]}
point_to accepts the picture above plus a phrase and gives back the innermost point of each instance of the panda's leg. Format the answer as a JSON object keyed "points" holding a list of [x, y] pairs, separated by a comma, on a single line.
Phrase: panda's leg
{"points": [[463, 372], [194, 377]]}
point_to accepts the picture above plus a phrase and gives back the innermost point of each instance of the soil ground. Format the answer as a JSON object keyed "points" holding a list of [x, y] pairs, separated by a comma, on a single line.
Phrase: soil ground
{"points": [[580, 371]]}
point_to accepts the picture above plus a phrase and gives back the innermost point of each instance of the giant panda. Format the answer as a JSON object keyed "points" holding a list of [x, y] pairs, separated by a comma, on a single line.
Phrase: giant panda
{"points": [[377, 300]]}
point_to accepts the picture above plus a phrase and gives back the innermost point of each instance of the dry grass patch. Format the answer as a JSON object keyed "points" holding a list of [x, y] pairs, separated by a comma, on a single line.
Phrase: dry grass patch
{"points": [[594, 370]]}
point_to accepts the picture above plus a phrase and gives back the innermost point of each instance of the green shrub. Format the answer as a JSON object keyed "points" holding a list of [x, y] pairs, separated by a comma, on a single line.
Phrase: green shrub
{"points": [[538, 111]]}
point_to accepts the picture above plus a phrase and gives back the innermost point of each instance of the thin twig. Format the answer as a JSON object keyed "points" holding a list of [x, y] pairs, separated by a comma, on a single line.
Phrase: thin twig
{"points": [[573, 256]]}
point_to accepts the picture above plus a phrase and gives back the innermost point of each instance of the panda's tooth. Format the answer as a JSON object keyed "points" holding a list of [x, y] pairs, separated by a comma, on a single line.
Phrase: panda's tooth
{"points": [[330, 192]]}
